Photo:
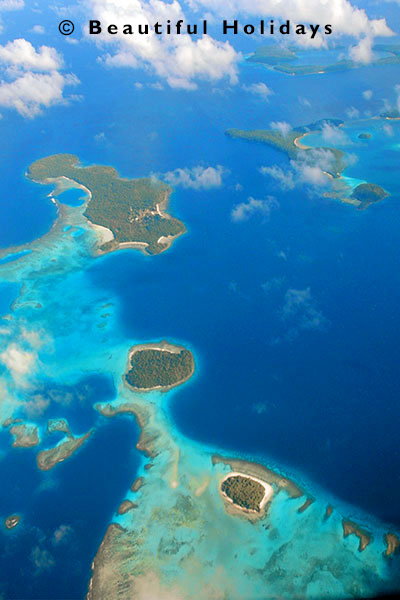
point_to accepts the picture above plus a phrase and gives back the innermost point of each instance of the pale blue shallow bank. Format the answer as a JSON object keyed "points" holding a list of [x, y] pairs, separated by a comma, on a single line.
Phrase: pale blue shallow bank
{"points": [[313, 392]]}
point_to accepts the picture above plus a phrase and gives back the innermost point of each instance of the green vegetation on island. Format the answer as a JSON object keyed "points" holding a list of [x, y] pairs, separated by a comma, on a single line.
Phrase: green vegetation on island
{"points": [[362, 196], [159, 367], [284, 60], [272, 55], [368, 193], [287, 143], [274, 138], [390, 113], [244, 492], [364, 136], [131, 208]]}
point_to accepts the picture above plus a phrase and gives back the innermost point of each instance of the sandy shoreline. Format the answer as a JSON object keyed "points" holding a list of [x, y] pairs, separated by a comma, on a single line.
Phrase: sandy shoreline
{"points": [[108, 236], [298, 144], [268, 492], [104, 234]]}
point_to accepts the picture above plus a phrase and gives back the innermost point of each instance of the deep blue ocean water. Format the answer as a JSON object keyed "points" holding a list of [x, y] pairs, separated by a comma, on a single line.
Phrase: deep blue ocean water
{"points": [[65, 511], [322, 402]]}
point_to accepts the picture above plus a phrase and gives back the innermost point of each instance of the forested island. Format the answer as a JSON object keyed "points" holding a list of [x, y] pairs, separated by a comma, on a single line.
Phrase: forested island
{"points": [[361, 197], [132, 209], [285, 60], [158, 366], [290, 144], [244, 491], [368, 193]]}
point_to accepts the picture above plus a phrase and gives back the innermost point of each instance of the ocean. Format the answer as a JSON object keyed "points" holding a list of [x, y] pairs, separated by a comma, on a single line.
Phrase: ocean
{"points": [[292, 315]]}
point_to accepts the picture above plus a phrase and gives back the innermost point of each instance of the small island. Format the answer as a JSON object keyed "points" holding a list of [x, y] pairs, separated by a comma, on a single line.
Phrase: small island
{"points": [[47, 459], [159, 366], [128, 213], [351, 528], [392, 113], [368, 193], [12, 521], [364, 136], [25, 435], [272, 55], [392, 544], [126, 506], [246, 492], [58, 425]]}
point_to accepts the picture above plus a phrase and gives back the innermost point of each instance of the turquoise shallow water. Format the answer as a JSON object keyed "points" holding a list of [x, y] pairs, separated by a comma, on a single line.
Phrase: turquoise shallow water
{"points": [[310, 387]]}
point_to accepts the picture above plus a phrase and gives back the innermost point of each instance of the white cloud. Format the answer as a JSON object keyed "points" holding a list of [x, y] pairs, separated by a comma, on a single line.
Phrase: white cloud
{"points": [[388, 129], [304, 101], [183, 59], [272, 284], [197, 178], [32, 92], [31, 79], [99, 138], [282, 126], [345, 18], [397, 90], [245, 210], [18, 361], [312, 174], [180, 59], [334, 135], [310, 168], [367, 94], [352, 112], [22, 55], [38, 29], [284, 177], [7, 5], [362, 52], [11, 5], [300, 312], [259, 89], [36, 406]]}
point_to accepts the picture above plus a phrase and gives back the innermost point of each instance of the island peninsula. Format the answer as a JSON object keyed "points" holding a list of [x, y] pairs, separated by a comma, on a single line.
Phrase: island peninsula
{"points": [[362, 196], [285, 60], [132, 210]]}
